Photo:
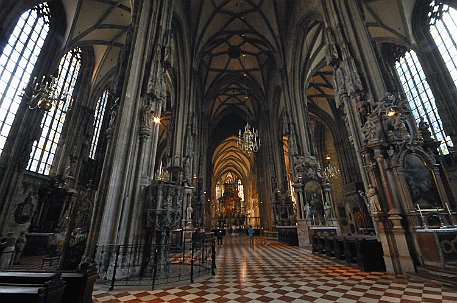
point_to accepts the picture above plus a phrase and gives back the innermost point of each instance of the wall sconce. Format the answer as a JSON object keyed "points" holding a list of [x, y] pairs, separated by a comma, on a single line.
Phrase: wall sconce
{"points": [[156, 120], [393, 110]]}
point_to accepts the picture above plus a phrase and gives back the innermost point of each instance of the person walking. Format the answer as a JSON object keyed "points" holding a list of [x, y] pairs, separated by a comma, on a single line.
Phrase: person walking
{"points": [[219, 236], [251, 235]]}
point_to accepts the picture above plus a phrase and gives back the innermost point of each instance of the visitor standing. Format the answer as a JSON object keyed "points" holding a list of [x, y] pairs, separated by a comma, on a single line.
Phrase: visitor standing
{"points": [[219, 236], [251, 235]]}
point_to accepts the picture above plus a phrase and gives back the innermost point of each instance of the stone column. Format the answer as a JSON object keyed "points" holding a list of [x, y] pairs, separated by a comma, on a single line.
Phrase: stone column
{"points": [[125, 152]]}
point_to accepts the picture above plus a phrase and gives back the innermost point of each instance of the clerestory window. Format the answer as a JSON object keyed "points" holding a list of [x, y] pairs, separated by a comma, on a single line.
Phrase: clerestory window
{"points": [[443, 28], [44, 149], [420, 97], [17, 62], [98, 120]]}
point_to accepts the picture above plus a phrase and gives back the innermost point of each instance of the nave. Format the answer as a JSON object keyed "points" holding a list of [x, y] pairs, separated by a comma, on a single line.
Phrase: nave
{"points": [[272, 272]]}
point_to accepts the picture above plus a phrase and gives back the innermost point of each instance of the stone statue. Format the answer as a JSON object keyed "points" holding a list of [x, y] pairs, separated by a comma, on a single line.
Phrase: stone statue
{"points": [[146, 114], [168, 202], [189, 212], [400, 128], [113, 113], [307, 210], [327, 210], [424, 130], [331, 54], [369, 131], [373, 199]]}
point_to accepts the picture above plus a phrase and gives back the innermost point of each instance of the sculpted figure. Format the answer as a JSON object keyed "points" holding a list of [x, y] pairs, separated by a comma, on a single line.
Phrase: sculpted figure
{"points": [[189, 212], [400, 128], [369, 131], [307, 210], [373, 199], [424, 129]]}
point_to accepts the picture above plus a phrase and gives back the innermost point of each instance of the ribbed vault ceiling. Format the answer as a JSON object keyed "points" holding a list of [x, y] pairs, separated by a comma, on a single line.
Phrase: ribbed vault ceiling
{"points": [[228, 157], [236, 40]]}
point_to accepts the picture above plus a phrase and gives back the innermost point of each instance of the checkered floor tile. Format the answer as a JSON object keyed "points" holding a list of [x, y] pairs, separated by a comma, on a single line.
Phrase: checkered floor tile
{"points": [[272, 272]]}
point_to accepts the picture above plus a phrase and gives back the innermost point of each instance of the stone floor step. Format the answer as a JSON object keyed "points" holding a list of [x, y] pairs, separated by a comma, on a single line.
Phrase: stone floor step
{"points": [[446, 276]]}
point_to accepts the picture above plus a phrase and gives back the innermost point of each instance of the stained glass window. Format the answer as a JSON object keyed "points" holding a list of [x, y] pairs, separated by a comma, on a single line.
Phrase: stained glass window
{"points": [[44, 149], [98, 120], [420, 97], [17, 61], [443, 28]]}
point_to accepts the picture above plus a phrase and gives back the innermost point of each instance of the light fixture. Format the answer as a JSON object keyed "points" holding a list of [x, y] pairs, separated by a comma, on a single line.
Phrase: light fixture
{"points": [[156, 120], [42, 91], [394, 110], [249, 140], [331, 172]]}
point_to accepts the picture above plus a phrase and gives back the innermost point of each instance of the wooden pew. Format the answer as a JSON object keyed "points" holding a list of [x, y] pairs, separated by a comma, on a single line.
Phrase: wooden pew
{"points": [[370, 255], [22, 294], [25, 287], [339, 248], [79, 285]]}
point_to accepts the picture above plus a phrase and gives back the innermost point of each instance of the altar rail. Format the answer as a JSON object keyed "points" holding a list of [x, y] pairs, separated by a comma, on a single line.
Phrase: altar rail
{"points": [[152, 265]]}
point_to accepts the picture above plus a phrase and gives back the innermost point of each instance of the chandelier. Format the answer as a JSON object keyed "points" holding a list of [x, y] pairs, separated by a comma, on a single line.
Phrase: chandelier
{"points": [[42, 93], [330, 172], [249, 140]]}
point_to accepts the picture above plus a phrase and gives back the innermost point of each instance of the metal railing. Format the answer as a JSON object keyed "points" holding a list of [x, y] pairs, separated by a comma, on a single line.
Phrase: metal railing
{"points": [[153, 265]]}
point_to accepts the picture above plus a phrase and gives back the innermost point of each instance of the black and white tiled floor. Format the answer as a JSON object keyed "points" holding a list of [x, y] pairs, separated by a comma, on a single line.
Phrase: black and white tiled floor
{"points": [[272, 272]]}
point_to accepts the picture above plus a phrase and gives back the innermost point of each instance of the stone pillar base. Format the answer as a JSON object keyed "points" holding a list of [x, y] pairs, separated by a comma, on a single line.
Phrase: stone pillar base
{"points": [[303, 233]]}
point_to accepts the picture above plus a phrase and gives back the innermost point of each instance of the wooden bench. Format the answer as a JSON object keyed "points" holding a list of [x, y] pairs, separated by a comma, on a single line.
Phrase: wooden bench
{"points": [[329, 246], [27, 287], [22, 294], [339, 248], [370, 256], [50, 261], [19, 277], [350, 249], [366, 252], [79, 285]]}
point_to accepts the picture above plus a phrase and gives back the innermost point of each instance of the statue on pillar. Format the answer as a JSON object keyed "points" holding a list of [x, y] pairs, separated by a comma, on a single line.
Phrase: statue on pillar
{"points": [[373, 199], [424, 130], [400, 129], [327, 210], [189, 211], [307, 210], [369, 131]]}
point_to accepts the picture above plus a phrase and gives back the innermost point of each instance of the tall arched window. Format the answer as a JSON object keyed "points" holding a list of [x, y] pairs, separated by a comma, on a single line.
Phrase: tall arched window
{"points": [[98, 120], [443, 28], [44, 149], [17, 61], [420, 97]]}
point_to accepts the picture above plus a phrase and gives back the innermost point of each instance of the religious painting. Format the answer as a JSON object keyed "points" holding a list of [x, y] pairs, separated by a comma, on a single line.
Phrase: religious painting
{"points": [[314, 200], [421, 183]]}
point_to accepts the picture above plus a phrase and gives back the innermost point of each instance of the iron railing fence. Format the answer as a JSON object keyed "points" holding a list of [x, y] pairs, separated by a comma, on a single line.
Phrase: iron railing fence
{"points": [[156, 264]]}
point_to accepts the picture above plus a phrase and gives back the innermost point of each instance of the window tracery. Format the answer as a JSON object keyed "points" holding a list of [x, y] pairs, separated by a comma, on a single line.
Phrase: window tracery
{"points": [[44, 150], [17, 62], [98, 120], [420, 96], [443, 28]]}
